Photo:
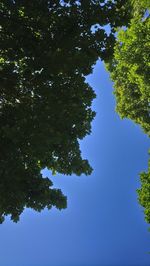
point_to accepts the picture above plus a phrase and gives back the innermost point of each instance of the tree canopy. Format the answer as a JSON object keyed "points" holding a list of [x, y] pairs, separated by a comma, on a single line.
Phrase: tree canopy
{"points": [[130, 71], [47, 47], [144, 193]]}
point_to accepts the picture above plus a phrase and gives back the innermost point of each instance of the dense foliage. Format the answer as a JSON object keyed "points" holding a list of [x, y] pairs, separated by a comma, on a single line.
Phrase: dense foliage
{"points": [[144, 193], [45, 104], [130, 70], [139, 7]]}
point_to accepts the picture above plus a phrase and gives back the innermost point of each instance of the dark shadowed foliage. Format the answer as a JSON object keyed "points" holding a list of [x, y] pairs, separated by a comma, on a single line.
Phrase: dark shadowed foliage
{"points": [[47, 47]]}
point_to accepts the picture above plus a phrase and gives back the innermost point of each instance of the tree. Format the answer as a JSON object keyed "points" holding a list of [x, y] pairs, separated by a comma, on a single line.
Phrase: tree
{"points": [[47, 47], [130, 70], [144, 193]]}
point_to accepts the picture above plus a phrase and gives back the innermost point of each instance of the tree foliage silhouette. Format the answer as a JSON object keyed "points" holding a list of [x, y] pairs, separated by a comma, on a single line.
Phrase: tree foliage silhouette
{"points": [[47, 47]]}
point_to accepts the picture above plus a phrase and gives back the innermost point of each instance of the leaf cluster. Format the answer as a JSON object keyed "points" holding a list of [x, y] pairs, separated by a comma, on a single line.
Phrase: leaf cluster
{"points": [[144, 193], [130, 70]]}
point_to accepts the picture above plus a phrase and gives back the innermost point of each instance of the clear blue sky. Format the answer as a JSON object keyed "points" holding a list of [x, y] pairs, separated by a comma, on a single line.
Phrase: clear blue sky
{"points": [[103, 224]]}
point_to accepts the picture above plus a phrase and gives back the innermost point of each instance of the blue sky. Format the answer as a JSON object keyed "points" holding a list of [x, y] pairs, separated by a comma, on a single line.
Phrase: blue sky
{"points": [[103, 224]]}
